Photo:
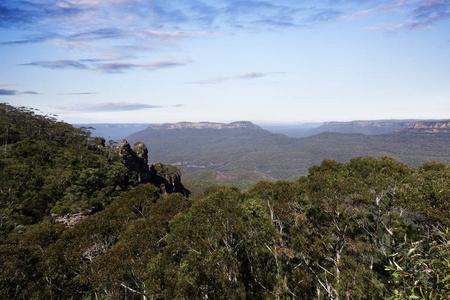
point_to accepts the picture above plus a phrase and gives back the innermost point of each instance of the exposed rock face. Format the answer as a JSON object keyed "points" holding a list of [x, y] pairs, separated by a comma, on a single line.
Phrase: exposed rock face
{"points": [[206, 125], [141, 151], [167, 178], [428, 127], [136, 160], [73, 218]]}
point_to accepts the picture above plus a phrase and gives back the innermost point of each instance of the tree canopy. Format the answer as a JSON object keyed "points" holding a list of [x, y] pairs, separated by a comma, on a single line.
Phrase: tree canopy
{"points": [[370, 228]]}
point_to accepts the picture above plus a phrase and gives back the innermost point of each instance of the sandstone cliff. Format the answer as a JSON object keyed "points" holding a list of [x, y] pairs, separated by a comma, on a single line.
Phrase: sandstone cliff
{"points": [[205, 125], [166, 177], [436, 127]]}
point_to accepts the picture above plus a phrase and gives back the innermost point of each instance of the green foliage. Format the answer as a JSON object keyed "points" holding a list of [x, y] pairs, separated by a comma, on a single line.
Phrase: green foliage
{"points": [[52, 167], [422, 271], [200, 180], [165, 170], [328, 235], [213, 249], [104, 255]]}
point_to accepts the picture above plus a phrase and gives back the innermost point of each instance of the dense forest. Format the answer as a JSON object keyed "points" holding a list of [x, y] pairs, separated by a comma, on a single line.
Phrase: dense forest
{"points": [[368, 228]]}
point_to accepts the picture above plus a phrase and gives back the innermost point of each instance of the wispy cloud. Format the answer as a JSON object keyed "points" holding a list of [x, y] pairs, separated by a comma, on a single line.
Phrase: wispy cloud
{"points": [[201, 15], [430, 12], [109, 67], [251, 75], [33, 39], [82, 93], [6, 92], [417, 14], [102, 33], [76, 40], [325, 15], [125, 27], [59, 64], [389, 7], [178, 34], [216, 80], [129, 15], [119, 67], [6, 84], [108, 107], [17, 13]]}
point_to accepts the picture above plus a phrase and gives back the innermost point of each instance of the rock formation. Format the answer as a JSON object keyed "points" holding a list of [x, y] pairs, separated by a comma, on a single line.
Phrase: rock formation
{"points": [[436, 127], [166, 177]]}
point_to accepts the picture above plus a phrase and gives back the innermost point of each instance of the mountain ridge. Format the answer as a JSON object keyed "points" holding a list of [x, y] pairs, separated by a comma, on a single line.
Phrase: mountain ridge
{"points": [[206, 125], [429, 127], [281, 157]]}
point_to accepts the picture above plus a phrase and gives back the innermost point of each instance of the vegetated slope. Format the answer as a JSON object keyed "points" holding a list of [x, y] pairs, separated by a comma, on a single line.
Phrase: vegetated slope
{"points": [[205, 147], [291, 130], [332, 234], [278, 156], [364, 127], [49, 169], [203, 179]]}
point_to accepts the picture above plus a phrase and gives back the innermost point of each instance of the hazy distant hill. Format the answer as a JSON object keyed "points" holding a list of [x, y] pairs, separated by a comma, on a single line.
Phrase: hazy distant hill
{"points": [[228, 147], [206, 144], [117, 132], [291, 130], [364, 127], [442, 126], [114, 132]]}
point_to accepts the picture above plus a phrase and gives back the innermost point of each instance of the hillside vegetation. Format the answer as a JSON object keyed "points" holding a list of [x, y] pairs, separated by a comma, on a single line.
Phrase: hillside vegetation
{"points": [[369, 228], [278, 156], [50, 169]]}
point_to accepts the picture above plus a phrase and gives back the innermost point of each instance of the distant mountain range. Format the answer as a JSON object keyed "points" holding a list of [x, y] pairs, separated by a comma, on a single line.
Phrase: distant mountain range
{"points": [[196, 147], [114, 132], [243, 153], [117, 132], [364, 127]]}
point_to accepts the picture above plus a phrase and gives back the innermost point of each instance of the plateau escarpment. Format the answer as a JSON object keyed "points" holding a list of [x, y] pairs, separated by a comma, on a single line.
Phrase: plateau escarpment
{"points": [[434, 127], [243, 146], [205, 125]]}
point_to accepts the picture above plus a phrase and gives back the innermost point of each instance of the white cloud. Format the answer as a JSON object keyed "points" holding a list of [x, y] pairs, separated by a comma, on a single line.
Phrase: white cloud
{"points": [[250, 75], [108, 107]]}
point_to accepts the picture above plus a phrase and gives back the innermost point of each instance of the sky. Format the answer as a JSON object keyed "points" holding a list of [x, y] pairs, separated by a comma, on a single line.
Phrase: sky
{"points": [[280, 61]]}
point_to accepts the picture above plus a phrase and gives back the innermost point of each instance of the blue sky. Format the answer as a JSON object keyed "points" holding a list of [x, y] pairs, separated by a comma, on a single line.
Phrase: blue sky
{"points": [[142, 61]]}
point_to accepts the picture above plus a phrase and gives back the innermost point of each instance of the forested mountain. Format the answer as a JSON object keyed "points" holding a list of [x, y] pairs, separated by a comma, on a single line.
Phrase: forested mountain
{"points": [[291, 130], [49, 170], [276, 156], [117, 132], [369, 228], [364, 127]]}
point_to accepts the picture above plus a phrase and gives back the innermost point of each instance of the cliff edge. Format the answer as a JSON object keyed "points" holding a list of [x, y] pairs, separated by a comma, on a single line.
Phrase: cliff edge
{"points": [[433, 127], [166, 177]]}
